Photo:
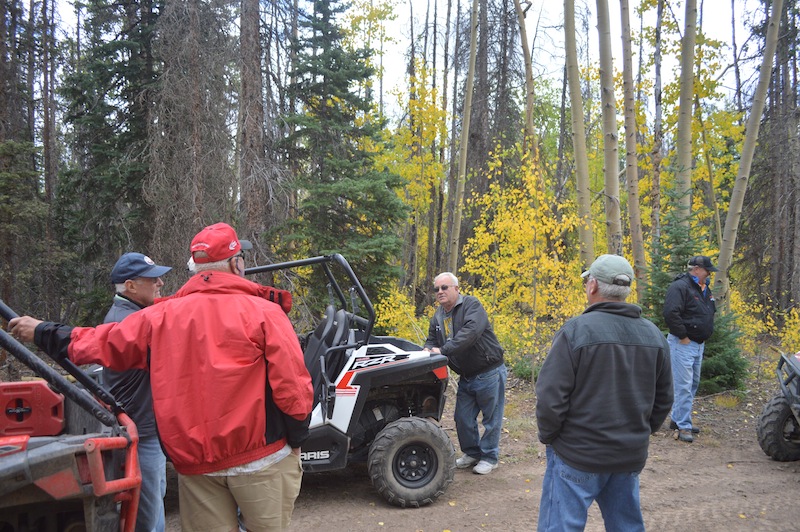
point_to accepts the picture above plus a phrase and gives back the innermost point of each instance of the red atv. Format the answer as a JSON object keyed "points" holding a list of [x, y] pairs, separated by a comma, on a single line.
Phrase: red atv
{"points": [[68, 459], [778, 428]]}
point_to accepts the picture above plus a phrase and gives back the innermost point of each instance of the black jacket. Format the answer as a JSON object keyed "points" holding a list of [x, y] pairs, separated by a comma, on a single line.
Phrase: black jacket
{"points": [[688, 310], [604, 387], [474, 348]]}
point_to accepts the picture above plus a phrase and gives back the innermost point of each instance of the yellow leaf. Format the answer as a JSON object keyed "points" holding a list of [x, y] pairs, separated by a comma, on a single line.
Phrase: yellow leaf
{"points": [[452, 503], [742, 516]]}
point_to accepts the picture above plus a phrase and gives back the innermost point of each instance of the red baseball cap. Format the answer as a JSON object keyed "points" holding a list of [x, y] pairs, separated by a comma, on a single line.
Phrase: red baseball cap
{"points": [[219, 242]]}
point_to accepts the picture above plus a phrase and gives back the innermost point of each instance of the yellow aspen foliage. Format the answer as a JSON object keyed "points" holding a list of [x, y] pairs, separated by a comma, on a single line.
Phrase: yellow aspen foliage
{"points": [[395, 316], [415, 157], [754, 322], [790, 334], [523, 253]]}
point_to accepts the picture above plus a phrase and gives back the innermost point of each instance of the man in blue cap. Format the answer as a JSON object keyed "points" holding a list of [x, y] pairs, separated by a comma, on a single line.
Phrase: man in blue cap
{"points": [[689, 309], [137, 281]]}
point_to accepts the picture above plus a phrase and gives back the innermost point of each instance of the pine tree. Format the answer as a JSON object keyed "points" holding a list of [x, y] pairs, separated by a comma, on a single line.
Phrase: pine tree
{"points": [[99, 199], [724, 367], [346, 203]]}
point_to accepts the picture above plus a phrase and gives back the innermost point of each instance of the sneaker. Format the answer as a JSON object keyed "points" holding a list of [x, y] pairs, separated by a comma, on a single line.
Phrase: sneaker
{"points": [[685, 435], [484, 468], [674, 426], [466, 461]]}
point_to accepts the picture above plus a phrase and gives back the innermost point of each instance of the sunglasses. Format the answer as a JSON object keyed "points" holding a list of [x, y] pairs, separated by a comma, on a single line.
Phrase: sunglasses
{"points": [[442, 288]]}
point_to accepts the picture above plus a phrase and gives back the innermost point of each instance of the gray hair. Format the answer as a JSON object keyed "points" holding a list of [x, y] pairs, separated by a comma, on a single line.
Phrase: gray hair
{"points": [[453, 278], [120, 288], [220, 265], [613, 292]]}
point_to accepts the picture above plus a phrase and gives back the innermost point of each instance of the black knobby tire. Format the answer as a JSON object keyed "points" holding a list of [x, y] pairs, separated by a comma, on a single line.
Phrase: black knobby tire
{"points": [[411, 462], [778, 431]]}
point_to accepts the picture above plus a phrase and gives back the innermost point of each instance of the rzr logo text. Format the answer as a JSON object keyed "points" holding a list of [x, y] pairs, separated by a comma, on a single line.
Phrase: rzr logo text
{"points": [[377, 361]]}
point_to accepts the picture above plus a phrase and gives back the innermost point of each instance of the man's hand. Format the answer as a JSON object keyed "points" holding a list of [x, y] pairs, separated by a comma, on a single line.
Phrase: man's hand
{"points": [[296, 451], [432, 350], [23, 328]]}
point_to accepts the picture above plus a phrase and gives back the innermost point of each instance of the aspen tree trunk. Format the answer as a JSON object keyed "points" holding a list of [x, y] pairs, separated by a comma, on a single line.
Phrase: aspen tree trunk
{"points": [[751, 135], [585, 234], [436, 256], [526, 54], [736, 70], [610, 134], [462, 160], [712, 195], [631, 159], [683, 177], [410, 255], [655, 188], [452, 173]]}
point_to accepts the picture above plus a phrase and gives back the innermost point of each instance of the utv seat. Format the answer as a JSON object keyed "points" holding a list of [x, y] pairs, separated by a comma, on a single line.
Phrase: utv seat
{"points": [[317, 344], [335, 358]]}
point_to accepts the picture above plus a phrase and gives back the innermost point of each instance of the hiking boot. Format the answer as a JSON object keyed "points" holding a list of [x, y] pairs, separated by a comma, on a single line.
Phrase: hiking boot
{"points": [[484, 468], [466, 461], [685, 435], [674, 426]]}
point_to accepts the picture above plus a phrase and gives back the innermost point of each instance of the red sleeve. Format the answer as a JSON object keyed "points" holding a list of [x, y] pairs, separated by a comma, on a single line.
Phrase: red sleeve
{"points": [[288, 376], [118, 346]]}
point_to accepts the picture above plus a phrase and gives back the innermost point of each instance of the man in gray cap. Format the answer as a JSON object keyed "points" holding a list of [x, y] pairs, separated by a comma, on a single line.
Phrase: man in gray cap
{"points": [[137, 281], [605, 386], [689, 309]]}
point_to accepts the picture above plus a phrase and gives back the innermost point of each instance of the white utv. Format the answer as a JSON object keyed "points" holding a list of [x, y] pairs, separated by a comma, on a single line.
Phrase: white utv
{"points": [[377, 399]]}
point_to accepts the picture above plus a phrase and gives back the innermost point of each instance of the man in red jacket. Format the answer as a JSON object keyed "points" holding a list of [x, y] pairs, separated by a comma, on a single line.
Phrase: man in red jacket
{"points": [[231, 394]]}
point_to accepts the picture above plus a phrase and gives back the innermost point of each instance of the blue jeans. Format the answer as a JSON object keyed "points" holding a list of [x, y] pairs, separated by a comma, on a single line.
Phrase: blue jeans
{"points": [[686, 362], [484, 393], [153, 464], [567, 494]]}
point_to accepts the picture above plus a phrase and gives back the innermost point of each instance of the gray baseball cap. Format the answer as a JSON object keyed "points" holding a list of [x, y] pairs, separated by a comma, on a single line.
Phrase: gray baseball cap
{"points": [[611, 269]]}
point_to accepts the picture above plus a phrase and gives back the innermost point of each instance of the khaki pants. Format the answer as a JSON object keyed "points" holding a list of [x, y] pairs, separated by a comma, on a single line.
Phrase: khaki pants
{"points": [[266, 498]]}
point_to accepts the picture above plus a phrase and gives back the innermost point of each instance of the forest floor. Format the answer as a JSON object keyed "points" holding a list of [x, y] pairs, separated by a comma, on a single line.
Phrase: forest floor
{"points": [[722, 481]]}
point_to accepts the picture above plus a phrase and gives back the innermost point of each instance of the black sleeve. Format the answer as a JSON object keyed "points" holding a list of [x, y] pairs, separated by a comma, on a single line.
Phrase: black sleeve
{"points": [[53, 339], [433, 337], [674, 303], [296, 430]]}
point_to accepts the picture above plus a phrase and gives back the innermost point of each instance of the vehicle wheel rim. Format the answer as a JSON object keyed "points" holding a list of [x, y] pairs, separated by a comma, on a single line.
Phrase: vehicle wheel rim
{"points": [[415, 465], [791, 431]]}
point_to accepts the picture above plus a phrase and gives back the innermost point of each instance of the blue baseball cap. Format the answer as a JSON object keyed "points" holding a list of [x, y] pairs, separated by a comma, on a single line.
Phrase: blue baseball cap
{"points": [[133, 265]]}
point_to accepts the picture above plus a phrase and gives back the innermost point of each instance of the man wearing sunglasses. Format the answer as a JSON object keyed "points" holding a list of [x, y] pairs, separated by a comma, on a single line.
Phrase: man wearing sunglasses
{"points": [[460, 330]]}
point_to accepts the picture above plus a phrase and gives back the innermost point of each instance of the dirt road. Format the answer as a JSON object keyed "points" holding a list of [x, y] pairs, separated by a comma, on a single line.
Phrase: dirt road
{"points": [[722, 481]]}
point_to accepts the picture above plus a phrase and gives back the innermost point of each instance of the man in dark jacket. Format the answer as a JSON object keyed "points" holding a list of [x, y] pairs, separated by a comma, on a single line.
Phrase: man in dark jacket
{"points": [[137, 281], [604, 387], [689, 313], [460, 330]]}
